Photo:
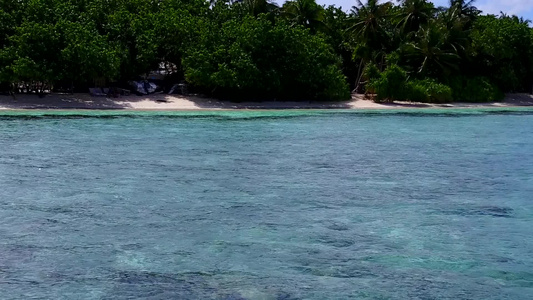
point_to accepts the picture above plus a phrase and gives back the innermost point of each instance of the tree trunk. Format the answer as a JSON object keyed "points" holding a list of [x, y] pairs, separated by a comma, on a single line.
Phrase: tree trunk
{"points": [[359, 75]]}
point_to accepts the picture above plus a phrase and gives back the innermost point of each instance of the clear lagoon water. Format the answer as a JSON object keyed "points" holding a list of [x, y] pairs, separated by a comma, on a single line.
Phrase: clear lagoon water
{"points": [[285, 205]]}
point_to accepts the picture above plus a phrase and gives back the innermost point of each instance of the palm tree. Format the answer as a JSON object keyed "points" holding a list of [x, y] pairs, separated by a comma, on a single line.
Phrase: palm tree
{"points": [[430, 53], [304, 12], [367, 25], [256, 7], [464, 9], [367, 30], [413, 14], [456, 30]]}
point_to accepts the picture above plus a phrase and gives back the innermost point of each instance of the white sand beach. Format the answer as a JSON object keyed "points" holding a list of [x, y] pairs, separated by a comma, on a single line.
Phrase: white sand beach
{"points": [[176, 102]]}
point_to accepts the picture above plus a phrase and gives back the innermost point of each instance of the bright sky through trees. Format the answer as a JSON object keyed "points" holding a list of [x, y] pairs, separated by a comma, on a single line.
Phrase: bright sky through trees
{"points": [[522, 8]]}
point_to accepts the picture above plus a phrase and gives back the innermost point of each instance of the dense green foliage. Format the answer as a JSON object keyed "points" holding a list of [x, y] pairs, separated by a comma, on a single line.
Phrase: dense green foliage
{"points": [[393, 84], [442, 55], [255, 58], [474, 89], [502, 50], [255, 49]]}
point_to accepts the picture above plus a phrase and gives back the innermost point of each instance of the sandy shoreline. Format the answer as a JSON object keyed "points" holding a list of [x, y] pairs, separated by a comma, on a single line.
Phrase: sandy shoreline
{"points": [[176, 102]]}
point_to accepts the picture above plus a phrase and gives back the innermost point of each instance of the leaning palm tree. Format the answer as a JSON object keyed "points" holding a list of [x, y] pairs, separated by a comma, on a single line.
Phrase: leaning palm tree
{"points": [[368, 31], [304, 12]]}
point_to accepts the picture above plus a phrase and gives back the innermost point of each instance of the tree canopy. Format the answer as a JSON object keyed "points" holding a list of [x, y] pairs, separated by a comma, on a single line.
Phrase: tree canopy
{"points": [[255, 49]]}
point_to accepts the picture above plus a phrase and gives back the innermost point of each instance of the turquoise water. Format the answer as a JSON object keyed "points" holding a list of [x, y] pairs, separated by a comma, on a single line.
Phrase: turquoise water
{"points": [[431, 204]]}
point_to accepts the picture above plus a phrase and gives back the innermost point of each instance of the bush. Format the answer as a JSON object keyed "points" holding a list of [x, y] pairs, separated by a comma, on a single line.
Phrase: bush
{"points": [[371, 72], [429, 91], [416, 92], [474, 89], [390, 85]]}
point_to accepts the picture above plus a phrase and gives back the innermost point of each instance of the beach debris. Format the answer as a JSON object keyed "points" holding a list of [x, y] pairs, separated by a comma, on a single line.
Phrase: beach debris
{"points": [[97, 92], [179, 88], [143, 87]]}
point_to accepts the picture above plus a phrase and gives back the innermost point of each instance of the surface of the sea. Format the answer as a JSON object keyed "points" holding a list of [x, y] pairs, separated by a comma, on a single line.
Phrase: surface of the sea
{"points": [[427, 204]]}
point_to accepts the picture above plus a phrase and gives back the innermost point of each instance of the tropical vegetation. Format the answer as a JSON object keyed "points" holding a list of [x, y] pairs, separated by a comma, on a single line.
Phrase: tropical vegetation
{"points": [[257, 49]]}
